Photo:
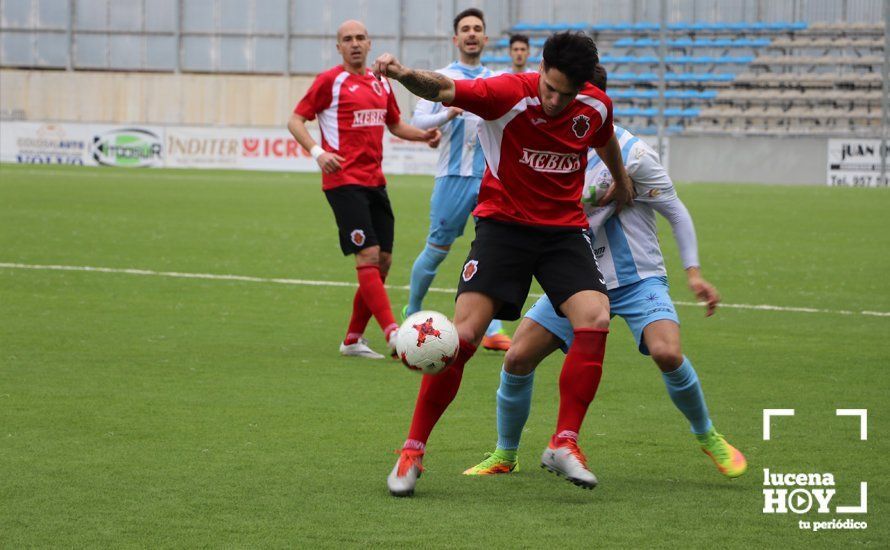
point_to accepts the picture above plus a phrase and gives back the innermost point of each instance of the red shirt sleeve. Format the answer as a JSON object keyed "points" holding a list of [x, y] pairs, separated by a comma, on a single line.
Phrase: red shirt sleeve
{"points": [[489, 98], [601, 137], [393, 114], [317, 98]]}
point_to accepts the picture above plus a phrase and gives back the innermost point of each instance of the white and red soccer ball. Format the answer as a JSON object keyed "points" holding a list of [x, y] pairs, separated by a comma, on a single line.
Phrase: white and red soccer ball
{"points": [[427, 342]]}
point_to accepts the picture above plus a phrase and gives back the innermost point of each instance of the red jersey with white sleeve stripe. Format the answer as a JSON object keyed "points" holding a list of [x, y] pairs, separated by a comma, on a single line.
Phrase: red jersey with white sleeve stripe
{"points": [[536, 163], [352, 111]]}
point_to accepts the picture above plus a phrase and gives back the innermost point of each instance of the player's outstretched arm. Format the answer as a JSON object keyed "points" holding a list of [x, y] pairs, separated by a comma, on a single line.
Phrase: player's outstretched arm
{"points": [[622, 190], [676, 213], [327, 161], [432, 115], [426, 84], [407, 132]]}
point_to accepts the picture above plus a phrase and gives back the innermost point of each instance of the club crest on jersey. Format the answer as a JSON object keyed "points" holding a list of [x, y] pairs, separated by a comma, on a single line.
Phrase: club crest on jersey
{"points": [[581, 125], [470, 269], [425, 329], [548, 161], [604, 179], [357, 237], [378, 89]]}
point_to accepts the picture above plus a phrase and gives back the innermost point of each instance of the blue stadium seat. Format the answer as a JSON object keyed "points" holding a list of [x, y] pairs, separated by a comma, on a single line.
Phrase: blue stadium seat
{"points": [[496, 59], [680, 26], [690, 94], [636, 111], [700, 77], [695, 26], [633, 77], [669, 94], [672, 77], [753, 42], [702, 26], [505, 42], [652, 112], [690, 43], [634, 94], [653, 130], [644, 59], [682, 113], [646, 26], [710, 60], [695, 60], [533, 27], [635, 43]]}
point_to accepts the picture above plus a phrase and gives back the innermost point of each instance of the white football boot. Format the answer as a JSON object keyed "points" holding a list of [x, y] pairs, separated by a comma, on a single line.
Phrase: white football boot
{"points": [[569, 462], [405, 473], [359, 349]]}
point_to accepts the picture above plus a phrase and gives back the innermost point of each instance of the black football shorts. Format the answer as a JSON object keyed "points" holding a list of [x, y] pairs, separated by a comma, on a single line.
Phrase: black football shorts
{"points": [[364, 217], [504, 257]]}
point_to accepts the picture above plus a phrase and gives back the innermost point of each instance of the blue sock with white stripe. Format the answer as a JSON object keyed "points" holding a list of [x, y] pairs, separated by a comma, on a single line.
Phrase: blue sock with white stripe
{"points": [[495, 327], [514, 404], [686, 393], [422, 274]]}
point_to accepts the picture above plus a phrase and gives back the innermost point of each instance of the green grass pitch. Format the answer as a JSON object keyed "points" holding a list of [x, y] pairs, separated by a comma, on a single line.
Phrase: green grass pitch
{"points": [[167, 412]]}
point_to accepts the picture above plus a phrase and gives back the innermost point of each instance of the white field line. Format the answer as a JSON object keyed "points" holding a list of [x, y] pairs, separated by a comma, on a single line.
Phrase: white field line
{"points": [[309, 282]]}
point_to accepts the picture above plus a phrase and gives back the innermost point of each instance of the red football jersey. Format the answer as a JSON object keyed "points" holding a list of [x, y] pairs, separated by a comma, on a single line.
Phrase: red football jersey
{"points": [[536, 162], [352, 111]]}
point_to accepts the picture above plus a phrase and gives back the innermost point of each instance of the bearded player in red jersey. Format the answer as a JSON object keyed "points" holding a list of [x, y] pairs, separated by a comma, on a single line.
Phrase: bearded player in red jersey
{"points": [[352, 107], [536, 131]]}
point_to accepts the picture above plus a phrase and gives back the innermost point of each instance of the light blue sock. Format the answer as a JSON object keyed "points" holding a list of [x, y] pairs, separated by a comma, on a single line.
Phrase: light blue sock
{"points": [[686, 393], [495, 327], [514, 404], [422, 274]]}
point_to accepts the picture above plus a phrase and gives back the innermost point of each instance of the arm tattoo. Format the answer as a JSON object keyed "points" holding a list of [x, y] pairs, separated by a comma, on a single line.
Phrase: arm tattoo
{"points": [[425, 84]]}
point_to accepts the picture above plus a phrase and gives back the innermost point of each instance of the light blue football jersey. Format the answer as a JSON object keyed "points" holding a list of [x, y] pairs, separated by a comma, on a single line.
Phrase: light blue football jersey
{"points": [[459, 151], [626, 246]]}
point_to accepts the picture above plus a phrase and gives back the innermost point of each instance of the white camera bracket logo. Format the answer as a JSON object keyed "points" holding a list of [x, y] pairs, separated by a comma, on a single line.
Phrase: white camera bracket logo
{"points": [[803, 498]]}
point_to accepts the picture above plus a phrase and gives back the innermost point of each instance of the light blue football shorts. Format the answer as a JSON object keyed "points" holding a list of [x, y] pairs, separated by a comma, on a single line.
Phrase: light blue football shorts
{"points": [[454, 198], [639, 304]]}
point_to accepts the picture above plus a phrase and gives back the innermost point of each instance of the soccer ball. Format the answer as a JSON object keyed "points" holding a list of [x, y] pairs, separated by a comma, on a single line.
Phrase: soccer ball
{"points": [[427, 342]]}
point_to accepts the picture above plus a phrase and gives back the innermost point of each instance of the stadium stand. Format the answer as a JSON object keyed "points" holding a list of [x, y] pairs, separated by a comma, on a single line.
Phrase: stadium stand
{"points": [[779, 77]]}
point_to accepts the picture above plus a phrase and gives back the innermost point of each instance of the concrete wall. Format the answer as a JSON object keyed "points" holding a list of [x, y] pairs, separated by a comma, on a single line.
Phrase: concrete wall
{"points": [[156, 98], [762, 159]]}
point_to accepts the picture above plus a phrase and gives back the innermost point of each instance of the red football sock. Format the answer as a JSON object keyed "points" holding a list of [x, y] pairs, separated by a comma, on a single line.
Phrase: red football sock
{"points": [[579, 379], [437, 391], [370, 286], [360, 317]]}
